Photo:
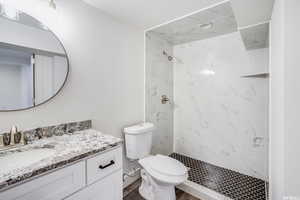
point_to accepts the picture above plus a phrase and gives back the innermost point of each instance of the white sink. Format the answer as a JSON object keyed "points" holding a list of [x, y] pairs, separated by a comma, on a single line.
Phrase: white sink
{"points": [[23, 159]]}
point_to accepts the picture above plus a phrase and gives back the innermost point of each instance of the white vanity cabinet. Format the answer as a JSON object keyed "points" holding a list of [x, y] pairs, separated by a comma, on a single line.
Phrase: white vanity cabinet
{"points": [[96, 178], [52, 186], [106, 189]]}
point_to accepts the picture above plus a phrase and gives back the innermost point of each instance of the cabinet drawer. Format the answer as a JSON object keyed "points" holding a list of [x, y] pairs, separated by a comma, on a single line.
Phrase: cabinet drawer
{"points": [[103, 165], [53, 186], [108, 188]]}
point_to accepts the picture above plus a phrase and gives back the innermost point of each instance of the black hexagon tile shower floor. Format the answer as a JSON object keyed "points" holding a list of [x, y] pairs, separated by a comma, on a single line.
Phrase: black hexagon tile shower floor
{"points": [[232, 184]]}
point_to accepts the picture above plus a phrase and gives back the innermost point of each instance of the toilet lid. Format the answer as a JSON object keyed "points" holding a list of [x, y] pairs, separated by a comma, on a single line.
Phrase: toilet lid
{"points": [[167, 166]]}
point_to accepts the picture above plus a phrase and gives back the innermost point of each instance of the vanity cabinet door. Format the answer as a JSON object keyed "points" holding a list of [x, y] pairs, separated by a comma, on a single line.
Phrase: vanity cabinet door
{"points": [[108, 188], [54, 186]]}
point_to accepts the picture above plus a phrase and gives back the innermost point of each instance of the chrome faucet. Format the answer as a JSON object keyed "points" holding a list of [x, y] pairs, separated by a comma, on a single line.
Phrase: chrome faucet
{"points": [[12, 139]]}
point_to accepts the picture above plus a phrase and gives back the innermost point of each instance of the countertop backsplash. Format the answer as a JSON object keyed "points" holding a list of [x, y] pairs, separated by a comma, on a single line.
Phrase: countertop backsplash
{"points": [[55, 130]]}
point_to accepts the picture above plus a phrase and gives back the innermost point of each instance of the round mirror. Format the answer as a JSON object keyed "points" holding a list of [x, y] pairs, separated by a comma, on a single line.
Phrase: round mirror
{"points": [[33, 63]]}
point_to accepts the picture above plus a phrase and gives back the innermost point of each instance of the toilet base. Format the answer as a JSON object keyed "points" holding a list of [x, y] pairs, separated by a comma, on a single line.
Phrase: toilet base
{"points": [[151, 189]]}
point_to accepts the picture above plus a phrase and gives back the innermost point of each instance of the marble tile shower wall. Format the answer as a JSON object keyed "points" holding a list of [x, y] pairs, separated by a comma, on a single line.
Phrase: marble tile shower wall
{"points": [[159, 81], [220, 117]]}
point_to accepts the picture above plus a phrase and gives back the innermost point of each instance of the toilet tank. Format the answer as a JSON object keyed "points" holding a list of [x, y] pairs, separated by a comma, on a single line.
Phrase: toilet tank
{"points": [[138, 140]]}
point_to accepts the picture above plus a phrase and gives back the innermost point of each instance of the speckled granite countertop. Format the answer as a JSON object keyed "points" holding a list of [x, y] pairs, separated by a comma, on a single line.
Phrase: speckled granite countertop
{"points": [[55, 152]]}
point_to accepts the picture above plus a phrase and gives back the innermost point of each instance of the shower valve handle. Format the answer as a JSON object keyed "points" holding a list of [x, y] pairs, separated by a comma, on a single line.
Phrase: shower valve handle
{"points": [[165, 99]]}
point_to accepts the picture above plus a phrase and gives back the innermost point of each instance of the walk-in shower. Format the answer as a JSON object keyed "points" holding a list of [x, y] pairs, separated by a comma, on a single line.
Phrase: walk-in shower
{"points": [[215, 74]]}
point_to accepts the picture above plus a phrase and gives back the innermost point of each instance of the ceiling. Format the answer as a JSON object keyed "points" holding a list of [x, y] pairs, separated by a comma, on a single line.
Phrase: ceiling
{"points": [[218, 20], [256, 37], [249, 12], [148, 13]]}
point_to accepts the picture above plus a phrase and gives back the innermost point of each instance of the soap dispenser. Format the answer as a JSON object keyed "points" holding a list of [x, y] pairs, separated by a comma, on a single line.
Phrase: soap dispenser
{"points": [[16, 136]]}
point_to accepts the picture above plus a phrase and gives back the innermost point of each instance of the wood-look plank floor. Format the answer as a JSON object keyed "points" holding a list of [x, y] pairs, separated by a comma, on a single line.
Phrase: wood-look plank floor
{"points": [[180, 195]]}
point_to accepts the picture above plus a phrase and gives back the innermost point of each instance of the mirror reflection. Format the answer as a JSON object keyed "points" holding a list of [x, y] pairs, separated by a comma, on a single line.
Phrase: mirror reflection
{"points": [[33, 62]]}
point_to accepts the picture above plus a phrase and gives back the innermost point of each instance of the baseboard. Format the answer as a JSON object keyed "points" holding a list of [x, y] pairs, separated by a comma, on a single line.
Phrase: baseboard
{"points": [[201, 192]]}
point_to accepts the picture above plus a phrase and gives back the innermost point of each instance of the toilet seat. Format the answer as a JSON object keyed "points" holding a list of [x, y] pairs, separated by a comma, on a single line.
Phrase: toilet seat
{"points": [[165, 169]]}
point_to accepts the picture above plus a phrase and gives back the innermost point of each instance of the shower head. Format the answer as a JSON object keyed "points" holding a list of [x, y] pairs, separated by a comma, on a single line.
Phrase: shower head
{"points": [[171, 58]]}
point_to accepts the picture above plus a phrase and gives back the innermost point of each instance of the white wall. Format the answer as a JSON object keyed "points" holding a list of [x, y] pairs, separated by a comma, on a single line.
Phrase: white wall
{"points": [[276, 163], [220, 117], [285, 98], [159, 81], [106, 82], [292, 95]]}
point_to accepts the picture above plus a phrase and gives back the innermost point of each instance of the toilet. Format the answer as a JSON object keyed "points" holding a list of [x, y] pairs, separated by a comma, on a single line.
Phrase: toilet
{"points": [[160, 174]]}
